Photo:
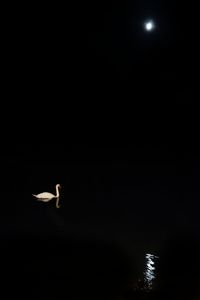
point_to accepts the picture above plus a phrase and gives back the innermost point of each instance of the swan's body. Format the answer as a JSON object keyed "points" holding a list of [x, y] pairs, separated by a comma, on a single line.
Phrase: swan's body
{"points": [[46, 197]]}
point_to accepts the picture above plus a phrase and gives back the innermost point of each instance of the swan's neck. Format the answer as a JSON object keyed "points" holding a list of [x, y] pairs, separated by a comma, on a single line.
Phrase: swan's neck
{"points": [[57, 191]]}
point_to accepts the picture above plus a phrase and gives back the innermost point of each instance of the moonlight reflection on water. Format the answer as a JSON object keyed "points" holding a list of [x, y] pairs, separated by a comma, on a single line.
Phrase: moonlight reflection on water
{"points": [[149, 272]]}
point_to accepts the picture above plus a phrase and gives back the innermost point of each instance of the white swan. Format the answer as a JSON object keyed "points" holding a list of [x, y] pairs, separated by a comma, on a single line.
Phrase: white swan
{"points": [[46, 197]]}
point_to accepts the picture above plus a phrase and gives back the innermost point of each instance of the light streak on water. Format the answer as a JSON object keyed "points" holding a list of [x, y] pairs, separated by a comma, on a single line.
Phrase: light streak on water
{"points": [[149, 272]]}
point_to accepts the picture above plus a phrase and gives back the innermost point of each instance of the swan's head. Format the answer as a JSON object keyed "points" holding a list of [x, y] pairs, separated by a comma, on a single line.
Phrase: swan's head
{"points": [[58, 185]]}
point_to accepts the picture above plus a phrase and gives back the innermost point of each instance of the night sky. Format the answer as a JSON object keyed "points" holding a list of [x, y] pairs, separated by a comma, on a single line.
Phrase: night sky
{"points": [[108, 110]]}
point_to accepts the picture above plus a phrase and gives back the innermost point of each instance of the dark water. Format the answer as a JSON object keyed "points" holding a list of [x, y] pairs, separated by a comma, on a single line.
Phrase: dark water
{"points": [[103, 229]]}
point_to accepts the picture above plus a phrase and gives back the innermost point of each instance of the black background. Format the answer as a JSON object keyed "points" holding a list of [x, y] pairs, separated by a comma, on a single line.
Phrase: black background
{"points": [[93, 102]]}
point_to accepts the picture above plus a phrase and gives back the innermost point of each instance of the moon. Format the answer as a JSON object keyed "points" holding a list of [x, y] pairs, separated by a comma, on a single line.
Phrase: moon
{"points": [[149, 25]]}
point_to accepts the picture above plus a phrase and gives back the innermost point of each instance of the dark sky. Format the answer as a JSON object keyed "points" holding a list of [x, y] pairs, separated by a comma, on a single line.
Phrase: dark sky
{"points": [[114, 106]]}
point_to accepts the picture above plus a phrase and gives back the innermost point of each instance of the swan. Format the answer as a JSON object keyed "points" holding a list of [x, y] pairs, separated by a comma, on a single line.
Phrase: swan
{"points": [[46, 197]]}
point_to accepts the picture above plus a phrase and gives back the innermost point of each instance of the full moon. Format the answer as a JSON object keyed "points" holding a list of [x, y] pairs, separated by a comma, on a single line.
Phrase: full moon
{"points": [[149, 25]]}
